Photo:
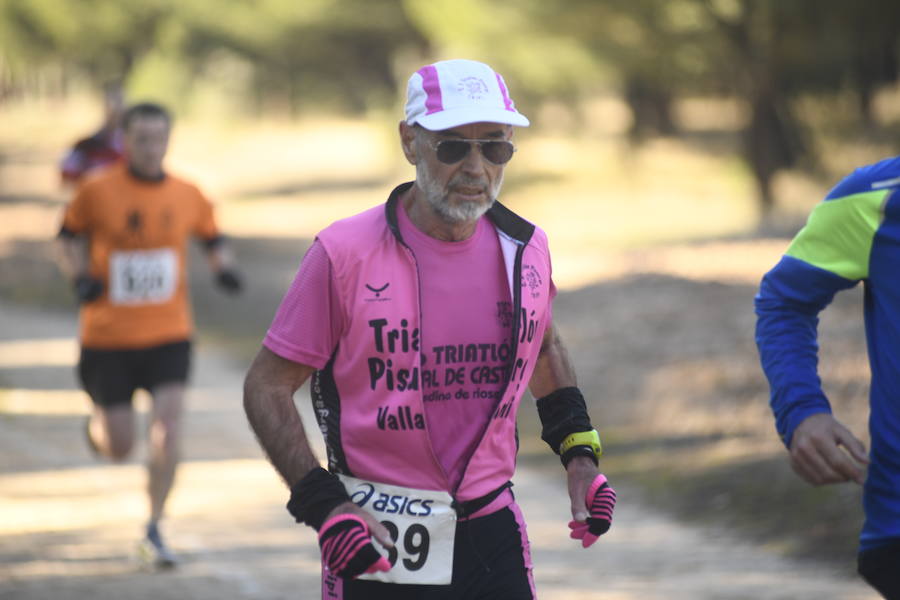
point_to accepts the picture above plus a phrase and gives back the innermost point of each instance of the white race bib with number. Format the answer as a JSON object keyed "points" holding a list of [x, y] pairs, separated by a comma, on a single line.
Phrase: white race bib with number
{"points": [[142, 276], [422, 524]]}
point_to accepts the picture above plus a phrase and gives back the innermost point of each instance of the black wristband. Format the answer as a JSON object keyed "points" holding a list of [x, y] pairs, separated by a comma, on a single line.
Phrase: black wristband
{"points": [[316, 495], [87, 288], [562, 413], [574, 451]]}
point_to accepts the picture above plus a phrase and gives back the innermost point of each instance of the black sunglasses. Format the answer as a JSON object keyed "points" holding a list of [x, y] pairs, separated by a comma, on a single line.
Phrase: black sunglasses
{"points": [[452, 151]]}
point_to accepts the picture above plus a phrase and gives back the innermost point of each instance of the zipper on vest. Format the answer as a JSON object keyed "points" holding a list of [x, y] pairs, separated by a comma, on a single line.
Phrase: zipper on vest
{"points": [[434, 457], [517, 307], [395, 205]]}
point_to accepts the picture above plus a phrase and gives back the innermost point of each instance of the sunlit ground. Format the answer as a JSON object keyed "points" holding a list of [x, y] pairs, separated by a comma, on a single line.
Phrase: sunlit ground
{"points": [[70, 523]]}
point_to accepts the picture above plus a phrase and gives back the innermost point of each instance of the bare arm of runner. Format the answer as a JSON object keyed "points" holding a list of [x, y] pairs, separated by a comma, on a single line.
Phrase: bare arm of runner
{"points": [[553, 370], [817, 456], [72, 255], [220, 256], [269, 403], [220, 259]]}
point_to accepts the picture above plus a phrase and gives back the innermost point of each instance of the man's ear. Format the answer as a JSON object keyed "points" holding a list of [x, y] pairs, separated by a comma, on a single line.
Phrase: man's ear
{"points": [[408, 142]]}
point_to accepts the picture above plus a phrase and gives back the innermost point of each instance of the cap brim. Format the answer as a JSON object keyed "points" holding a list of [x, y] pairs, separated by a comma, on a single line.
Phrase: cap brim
{"points": [[447, 119]]}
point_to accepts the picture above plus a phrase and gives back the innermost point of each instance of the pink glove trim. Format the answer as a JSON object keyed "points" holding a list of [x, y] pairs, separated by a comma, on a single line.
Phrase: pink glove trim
{"points": [[580, 532], [339, 550], [342, 517], [599, 480], [381, 564]]}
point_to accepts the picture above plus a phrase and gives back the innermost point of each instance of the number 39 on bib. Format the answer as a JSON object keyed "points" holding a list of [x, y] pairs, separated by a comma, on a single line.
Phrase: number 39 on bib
{"points": [[422, 525]]}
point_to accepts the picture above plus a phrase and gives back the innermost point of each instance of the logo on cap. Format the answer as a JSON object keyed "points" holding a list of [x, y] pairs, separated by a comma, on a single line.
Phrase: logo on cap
{"points": [[457, 92], [474, 87]]}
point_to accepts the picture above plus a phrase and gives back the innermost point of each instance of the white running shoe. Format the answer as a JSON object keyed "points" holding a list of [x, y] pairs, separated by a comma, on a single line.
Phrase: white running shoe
{"points": [[154, 553]]}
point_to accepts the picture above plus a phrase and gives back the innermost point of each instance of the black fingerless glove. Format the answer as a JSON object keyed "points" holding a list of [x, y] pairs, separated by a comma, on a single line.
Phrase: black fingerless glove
{"points": [[347, 549]]}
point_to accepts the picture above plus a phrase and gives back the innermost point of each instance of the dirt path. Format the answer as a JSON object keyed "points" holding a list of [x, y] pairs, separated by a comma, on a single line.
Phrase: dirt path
{"points": [[69, 524]]}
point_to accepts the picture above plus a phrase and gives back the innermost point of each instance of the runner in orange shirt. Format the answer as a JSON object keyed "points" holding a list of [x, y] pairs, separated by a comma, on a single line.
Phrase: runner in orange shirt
{"points": [[124, 244]]}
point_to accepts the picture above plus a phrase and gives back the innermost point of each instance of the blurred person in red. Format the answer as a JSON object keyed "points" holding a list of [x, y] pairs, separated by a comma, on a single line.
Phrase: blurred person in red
{"points": [[103, 147], [123, 242]]}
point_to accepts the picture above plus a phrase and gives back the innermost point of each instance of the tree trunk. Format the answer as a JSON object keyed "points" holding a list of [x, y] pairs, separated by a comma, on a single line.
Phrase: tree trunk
{"points": [[651, 109]]}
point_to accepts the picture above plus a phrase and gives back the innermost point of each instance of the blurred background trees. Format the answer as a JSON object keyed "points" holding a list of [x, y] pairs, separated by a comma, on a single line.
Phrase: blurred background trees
{"points": [[767, 57]]}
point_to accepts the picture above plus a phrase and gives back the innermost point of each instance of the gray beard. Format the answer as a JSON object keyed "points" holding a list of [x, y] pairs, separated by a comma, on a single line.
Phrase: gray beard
{"points": [[454, 214]]}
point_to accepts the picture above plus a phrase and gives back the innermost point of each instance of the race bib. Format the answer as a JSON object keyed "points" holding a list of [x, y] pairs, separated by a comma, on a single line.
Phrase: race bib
{"points": [[142, 276], [422, 525]]}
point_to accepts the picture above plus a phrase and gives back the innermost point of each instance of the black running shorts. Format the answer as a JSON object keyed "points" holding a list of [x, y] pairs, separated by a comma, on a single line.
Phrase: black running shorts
{"points": [[491, 559], [879, 567], [110, 377]]}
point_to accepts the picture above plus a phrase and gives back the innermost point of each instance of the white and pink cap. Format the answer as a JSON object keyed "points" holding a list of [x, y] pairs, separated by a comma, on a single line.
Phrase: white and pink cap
{"points": [[457, 92]]}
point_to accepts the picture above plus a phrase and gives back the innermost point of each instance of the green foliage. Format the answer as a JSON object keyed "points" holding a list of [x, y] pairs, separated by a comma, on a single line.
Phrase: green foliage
{"points": [[538, 60], [98, 38], [288, 57], [351, 52], [310, 54]]}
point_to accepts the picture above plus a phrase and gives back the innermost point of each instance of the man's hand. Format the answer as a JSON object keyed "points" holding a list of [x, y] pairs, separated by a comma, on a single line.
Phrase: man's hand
{"points": [[592, 500], [346, 542], [87, 288], [824, 451], [347, 549], [229, 281], [377, 530]]}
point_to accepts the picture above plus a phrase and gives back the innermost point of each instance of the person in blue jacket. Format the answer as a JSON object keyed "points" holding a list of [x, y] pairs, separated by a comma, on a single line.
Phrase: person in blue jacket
{"points": [[852, 236]]}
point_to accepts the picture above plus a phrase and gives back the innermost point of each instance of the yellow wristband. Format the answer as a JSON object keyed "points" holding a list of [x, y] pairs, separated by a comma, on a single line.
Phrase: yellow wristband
{"points": [[583, 438]]}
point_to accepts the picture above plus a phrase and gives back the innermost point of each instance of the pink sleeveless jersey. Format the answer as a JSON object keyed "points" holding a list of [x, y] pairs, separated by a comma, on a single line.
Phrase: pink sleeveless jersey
{"points": [[379, 392]]}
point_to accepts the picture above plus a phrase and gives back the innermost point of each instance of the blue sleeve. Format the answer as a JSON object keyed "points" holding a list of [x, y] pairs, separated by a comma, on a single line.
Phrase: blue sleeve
{"points": [[878, 176], [790, 298]]}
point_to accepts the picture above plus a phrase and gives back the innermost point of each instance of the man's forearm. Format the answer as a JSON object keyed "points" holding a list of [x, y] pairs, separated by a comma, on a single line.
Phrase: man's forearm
{"points": [[72, 256], [560, 404], [790, 298], [280, 432], [269, 404], [553, 369], [219, 256]]}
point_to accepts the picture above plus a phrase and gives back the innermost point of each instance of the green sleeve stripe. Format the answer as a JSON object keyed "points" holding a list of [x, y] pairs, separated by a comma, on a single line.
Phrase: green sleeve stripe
{"points": [[838, 235]]}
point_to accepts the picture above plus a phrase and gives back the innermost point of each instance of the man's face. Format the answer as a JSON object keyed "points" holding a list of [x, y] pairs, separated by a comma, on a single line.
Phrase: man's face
{"points": [[146, 141], [462, 191]]}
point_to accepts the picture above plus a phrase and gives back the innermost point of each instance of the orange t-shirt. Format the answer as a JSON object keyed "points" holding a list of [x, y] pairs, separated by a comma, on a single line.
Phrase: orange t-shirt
{"points": [[138, 233]]}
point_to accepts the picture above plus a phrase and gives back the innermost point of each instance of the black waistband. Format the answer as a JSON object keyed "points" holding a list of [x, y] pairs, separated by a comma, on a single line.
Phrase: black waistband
{"points": [[470, 507]]}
